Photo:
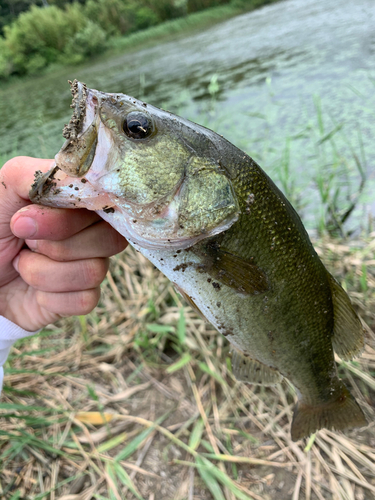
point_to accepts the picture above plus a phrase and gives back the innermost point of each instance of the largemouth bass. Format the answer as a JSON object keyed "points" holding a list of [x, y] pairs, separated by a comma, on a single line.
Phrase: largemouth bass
{"points": [[215, 224]]}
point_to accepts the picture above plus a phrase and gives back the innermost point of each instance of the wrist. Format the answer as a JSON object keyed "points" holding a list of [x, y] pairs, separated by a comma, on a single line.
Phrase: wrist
{"points": [[17, 315], [10, 332]]}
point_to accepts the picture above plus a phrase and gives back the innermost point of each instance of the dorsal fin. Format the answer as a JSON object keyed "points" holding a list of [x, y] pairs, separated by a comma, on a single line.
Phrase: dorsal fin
{"points": [[348, 332]]}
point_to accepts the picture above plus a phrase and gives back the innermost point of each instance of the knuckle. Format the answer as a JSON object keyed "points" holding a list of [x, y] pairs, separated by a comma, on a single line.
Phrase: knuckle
{"points": [[29, 269], [115, 241], [55, 250], [88, 300], [94, 271]]}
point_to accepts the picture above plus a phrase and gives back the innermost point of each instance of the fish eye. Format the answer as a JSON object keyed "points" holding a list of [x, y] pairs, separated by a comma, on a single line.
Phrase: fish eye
{"points": [[137, 125]]}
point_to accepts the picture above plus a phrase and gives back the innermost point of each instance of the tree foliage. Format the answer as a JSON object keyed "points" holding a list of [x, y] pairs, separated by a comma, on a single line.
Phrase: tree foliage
{"points": [[42, 32], [11, 9]]}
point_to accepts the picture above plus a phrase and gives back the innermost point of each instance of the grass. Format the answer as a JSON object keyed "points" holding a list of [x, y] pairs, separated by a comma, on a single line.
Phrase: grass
{"points": [[137, 401]]}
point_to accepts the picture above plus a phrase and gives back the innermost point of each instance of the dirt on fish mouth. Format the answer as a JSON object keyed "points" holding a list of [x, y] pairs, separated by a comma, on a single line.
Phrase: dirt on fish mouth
{"points": [[43, 183], [79, 93]]}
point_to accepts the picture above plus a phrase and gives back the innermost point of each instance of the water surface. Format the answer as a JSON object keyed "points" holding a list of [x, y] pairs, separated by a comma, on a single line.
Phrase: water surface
{"points": [[296, 90]]}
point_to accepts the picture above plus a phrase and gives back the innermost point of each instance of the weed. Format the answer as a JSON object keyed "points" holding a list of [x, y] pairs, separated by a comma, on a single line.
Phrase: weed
{"points": [[164, 416]]}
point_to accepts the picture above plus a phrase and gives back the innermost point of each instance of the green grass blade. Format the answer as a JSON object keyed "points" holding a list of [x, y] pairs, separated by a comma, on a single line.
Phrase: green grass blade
{"points": [[15, 495], [330, 134], [112, 475], [19, 407], [319, 115], [203, 366], [136, 442], [209, 480], [156, 328], [230, 450], [196, 434], [123, 476], [181, 327], [184, 360], [26, 438], [112, 443], [46, 494], [224, 479]]}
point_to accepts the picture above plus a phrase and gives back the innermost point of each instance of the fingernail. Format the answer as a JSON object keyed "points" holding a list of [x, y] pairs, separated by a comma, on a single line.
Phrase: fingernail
{"points": [[24, 227], [15, 263], [32, 244]]}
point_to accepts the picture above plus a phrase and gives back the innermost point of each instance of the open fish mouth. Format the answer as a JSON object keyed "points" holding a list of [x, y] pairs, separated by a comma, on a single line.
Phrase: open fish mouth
{"points": [[81, 134], [77, 153], [74, 127], [75, 157]]}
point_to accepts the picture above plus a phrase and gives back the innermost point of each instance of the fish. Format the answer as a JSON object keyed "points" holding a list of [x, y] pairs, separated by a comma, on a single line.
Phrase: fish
{"points": [[205, 214]]}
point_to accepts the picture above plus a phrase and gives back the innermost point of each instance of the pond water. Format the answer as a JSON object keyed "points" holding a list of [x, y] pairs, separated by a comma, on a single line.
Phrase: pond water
{"points": [[292, 84]]}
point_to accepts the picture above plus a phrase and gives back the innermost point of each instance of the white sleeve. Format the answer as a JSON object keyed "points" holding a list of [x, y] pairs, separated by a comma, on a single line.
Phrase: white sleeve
{"points": [[9, 334]]}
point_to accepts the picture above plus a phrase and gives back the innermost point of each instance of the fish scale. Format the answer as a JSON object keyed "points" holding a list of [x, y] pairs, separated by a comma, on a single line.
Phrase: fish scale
{"points": [[215, 224]]}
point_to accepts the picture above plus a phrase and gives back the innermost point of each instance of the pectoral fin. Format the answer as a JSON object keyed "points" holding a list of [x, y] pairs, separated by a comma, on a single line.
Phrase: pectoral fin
{"points": [[250, 370], [231, 270], [348, 333]]}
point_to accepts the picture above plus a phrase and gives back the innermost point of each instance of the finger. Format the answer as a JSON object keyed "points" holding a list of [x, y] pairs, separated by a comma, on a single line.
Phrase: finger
{"points": [[16, 177], [38, 222], [44, 274], [98, 240], [18, 174], [69, 303]]}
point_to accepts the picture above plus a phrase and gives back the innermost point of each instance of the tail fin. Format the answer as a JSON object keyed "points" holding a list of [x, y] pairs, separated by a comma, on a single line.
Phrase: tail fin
{"points": [[342, 413]]}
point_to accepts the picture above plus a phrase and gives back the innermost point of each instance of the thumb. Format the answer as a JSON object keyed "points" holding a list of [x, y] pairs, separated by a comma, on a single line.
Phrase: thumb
{"points": [[16, 178]]}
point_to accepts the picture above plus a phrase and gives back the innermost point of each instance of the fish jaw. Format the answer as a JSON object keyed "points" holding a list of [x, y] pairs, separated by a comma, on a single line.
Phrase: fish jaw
{"points": [[64, 185], [158, 193], [57, 189], [76, 155]]}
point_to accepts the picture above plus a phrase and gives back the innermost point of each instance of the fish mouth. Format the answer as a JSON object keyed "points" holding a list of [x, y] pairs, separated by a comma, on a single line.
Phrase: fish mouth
{"points": [[81, 133], [79, 94]]}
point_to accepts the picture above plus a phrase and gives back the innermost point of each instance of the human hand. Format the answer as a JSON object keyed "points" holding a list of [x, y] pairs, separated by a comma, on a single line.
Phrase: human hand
{"points": [[70, 257]]}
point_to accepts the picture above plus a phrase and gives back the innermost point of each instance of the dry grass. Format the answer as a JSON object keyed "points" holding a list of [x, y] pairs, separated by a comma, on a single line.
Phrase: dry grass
{"points": [[137, 401]]}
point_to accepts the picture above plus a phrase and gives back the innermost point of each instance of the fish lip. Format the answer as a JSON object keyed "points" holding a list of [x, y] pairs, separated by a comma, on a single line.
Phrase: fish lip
{"points": [[79, 94], [42, 184], [81, 133], [77, 153]]}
